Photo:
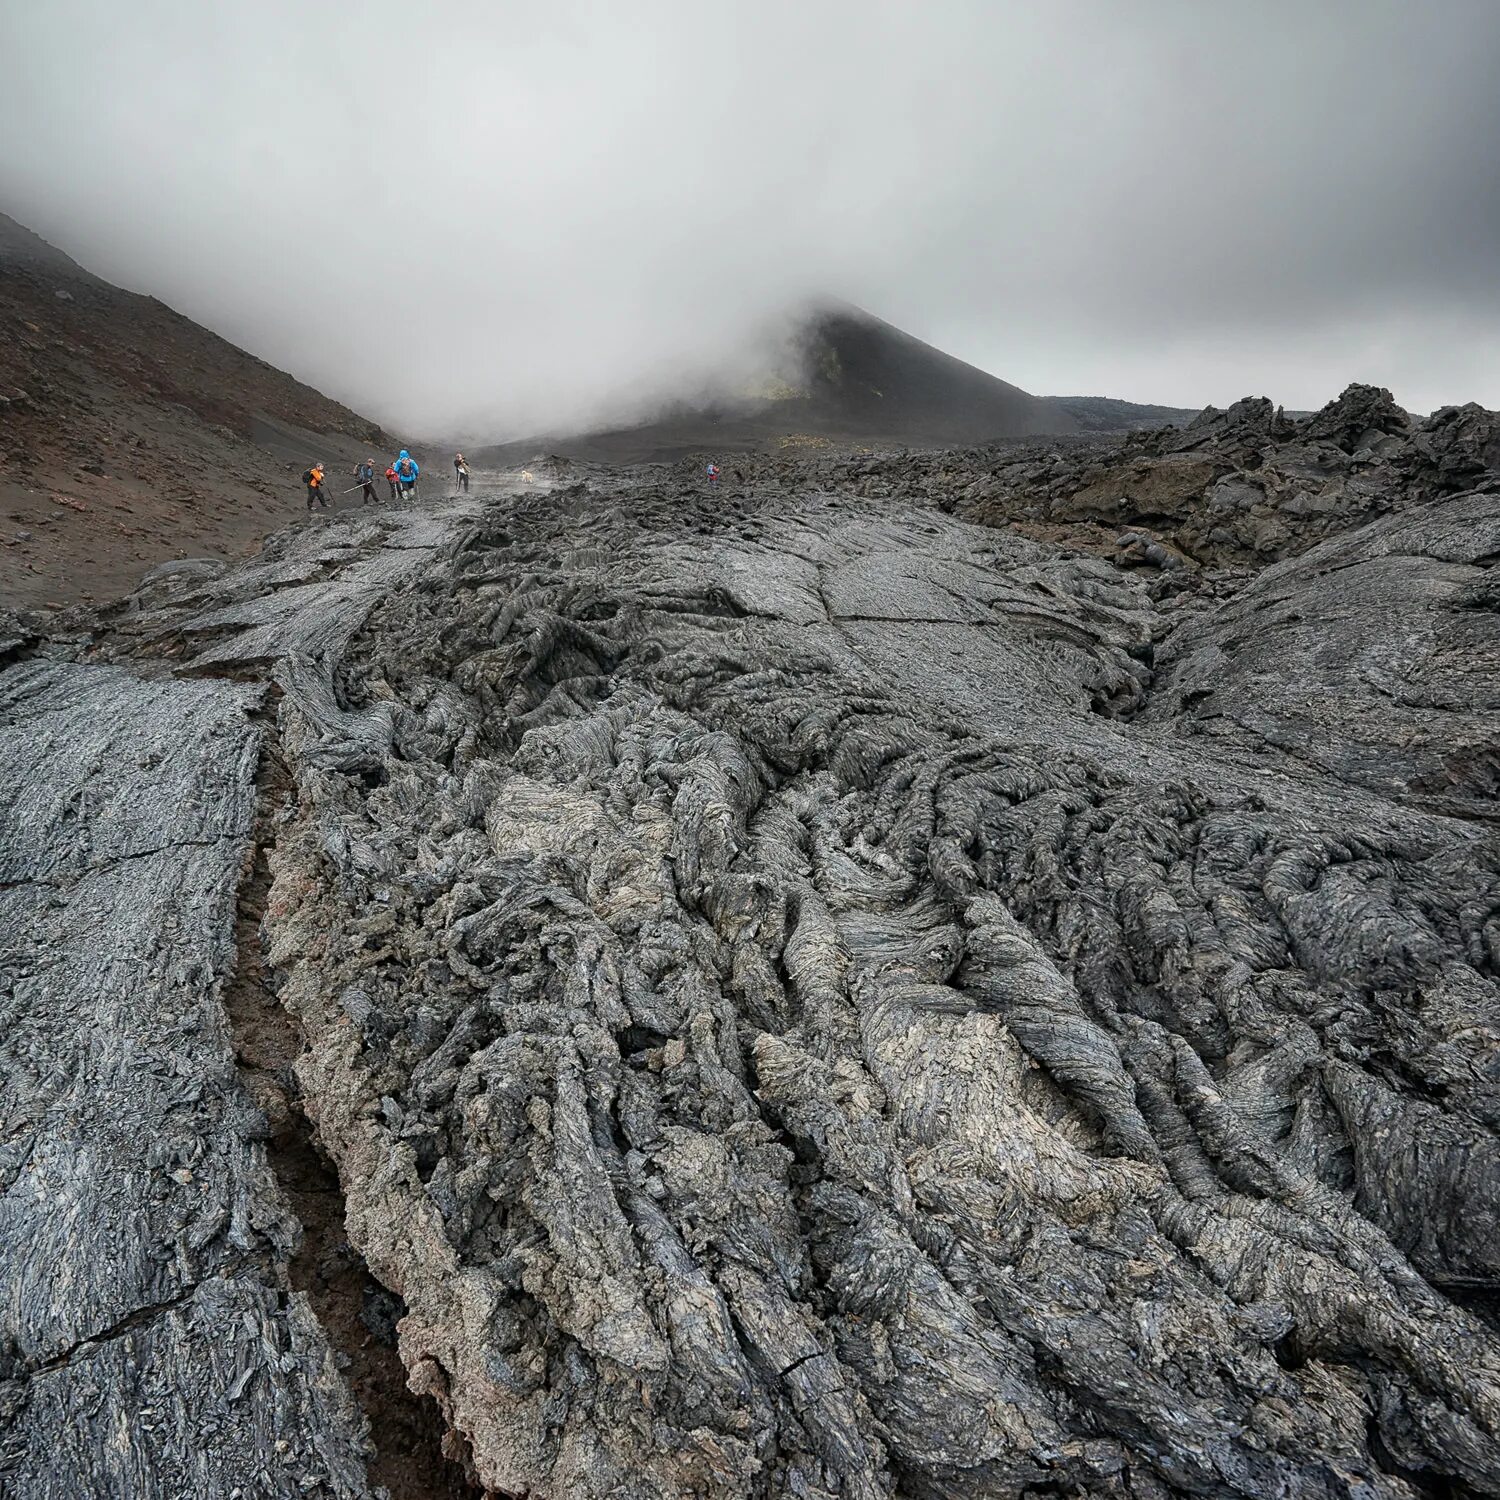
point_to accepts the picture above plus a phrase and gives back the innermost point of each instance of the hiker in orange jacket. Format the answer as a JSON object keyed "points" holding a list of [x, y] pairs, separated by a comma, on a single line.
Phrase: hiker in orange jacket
{"points": [[313, 479]]}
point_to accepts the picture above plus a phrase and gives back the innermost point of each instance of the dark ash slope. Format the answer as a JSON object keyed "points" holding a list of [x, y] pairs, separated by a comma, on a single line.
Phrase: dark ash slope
{"points": [[130, 434]]}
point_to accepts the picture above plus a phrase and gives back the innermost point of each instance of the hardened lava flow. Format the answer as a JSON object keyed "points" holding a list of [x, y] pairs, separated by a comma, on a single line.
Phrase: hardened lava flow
{"points": [[804, 994]]}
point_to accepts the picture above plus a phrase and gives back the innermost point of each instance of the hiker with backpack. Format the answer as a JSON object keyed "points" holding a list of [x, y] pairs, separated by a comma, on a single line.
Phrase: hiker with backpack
{"points": [[407, 471], [365, 474], [313, 479], [390, 478], [713, 476], [461, 472]]}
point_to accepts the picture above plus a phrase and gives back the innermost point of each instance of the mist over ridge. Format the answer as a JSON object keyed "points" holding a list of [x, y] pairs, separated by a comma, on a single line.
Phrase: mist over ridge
{"points": [[495, 219]]}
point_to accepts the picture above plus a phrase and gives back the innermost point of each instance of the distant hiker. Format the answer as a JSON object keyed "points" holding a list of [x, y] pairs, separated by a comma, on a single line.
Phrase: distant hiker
{"points": [[313, 479], [390, 478], [406, 473], [461, 472], [713, 476], [365, 474]]}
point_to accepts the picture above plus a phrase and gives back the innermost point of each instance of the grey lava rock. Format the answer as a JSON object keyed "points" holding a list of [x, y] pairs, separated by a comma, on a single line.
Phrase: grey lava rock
{"points": [[809, 996], [1249, 484], [149, 1341]]}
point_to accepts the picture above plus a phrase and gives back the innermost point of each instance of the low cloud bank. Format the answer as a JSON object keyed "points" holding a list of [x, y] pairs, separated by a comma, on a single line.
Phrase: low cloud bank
{"points": [[503, 219]]}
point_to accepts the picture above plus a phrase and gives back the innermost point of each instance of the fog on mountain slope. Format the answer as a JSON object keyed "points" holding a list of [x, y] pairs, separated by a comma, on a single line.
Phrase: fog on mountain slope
{"points": [[504, 219], [133, 434], [828, 373]]}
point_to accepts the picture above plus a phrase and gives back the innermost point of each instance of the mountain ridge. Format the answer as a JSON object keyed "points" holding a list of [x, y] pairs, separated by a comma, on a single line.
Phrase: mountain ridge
{"points": [[133, 434], [841, 376]]}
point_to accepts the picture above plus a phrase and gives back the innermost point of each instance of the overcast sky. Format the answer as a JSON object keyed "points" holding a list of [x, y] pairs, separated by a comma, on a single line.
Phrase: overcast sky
{"points": [[502, 215]]}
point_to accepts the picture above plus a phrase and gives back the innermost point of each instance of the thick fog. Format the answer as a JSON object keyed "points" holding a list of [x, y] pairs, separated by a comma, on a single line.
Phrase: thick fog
{"points": [[496, 218]]}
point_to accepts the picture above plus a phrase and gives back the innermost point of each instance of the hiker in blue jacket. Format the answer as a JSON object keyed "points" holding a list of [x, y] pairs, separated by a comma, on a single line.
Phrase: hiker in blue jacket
{"points": [[406, 472]]}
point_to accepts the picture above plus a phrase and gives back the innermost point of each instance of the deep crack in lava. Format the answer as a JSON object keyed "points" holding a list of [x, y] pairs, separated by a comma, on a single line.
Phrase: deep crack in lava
{"points": [[357, 1314]]}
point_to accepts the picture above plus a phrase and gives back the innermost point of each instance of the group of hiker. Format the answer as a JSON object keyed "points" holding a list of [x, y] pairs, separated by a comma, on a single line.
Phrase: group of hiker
{"points": [[401, 476]]}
